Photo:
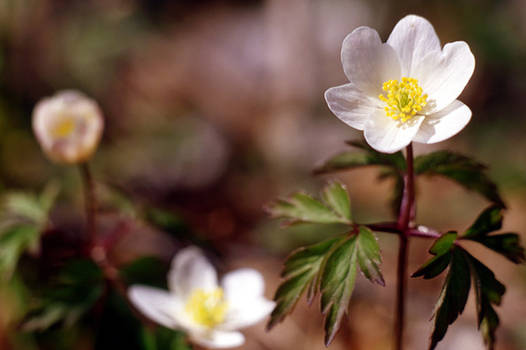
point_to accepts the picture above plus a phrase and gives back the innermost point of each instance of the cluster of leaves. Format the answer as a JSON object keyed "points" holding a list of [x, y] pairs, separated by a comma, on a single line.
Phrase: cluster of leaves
{"points": [[461, 169], [329, 267], [68, 296], [464, 268], [24, 217]]}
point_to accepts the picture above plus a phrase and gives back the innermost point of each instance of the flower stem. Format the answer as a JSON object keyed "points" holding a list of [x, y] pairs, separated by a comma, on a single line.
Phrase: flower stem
{"points": [[96, 249], [406, 216], [90, 204]]}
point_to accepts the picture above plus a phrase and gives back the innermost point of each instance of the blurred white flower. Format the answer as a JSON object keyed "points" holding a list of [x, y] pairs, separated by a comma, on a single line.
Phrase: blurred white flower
{"points": [[68, 126], [405, 89], [210, 313]]}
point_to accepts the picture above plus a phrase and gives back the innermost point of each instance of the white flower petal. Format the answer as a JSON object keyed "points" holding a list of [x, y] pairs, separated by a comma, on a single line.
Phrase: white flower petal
{"points": [[387, 135], [243, 284], [217, 339], [190, 270], [367, 62], [443, 75], [156, 304], [247, 314], [413, 38], [444, 124], [350, 105]]}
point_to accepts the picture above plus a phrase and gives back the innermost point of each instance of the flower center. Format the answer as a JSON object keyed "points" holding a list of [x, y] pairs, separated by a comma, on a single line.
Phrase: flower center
{"points": [[63, 128], [404, 99], [207, 308]]}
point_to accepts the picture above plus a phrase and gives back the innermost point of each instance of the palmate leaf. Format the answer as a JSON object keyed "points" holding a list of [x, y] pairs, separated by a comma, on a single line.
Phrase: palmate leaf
{"points": [[468, 173], [351, 160], [330, 267], [463, 268], [507, 244], [301, 274], [301, 207]]}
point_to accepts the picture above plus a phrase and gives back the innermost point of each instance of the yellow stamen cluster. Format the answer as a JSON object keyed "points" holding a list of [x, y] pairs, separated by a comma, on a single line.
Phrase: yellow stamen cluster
{"points": [[404, 99], [63, 128], [207, 308]]}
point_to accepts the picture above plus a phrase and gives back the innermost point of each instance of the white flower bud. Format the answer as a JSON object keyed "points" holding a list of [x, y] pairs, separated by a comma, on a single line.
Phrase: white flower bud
{"points": [[68, 126]]}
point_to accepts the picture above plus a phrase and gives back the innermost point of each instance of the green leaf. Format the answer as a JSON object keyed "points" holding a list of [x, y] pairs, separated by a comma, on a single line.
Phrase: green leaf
{"points": [[49, 195], [369, 256], [301, 207], [441, 250], [162, 338], [507, 244], [466, 172], [337, 284], [453, 296], [488, 292], [353, 160], [444, 243], [339, 276], [488, 221], [68, 297], [14, 241], [147, 270], [301, 274], [433, 267], [335, 195], [23, 218]]}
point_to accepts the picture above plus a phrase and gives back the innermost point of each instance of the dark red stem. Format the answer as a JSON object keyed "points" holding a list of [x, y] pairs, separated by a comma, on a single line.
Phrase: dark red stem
{"points": [[405, 219]]}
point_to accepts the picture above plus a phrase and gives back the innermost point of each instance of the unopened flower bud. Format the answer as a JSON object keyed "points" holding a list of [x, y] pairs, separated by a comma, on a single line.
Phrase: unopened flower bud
{"points": [[68, 126]]}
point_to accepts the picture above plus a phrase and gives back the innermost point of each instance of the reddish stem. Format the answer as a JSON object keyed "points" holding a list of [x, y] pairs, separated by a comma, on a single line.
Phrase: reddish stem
{"points": [[405, 218]]}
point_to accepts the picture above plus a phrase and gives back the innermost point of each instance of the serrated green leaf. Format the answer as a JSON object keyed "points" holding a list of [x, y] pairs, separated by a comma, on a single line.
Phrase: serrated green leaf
{"points": [[353, 160], [301, 207], [488, 292], [301, 274], [336, 196], [369, 256], [468, 173], [337, 283], [488, 221], [453, 296]]}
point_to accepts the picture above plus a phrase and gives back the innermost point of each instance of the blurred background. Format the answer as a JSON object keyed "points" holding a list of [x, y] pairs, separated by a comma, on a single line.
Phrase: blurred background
{"points": [[214, 108]]}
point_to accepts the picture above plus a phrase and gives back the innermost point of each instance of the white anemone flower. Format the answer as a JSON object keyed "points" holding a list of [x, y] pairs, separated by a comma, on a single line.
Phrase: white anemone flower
{"points": [[68, 126], [210, 313], [403, 90]]}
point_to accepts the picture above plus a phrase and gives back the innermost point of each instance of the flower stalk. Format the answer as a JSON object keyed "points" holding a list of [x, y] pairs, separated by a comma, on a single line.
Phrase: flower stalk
{"points": [[405, 219], [90, 205]]}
